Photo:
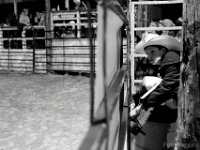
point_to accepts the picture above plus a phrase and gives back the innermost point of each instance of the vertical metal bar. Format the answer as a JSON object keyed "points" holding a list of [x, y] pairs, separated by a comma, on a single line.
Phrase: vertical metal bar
{"points": [[9, 45], [63, 50], [47, 69], [121, 103], [104, 53], [78, 24], [93, 120], [121, 48], [24, 46], [132, 26], [105, 9], [45, 38], [91, 64], [33, 49], [1, 39], [146, 15], [129, 57]]}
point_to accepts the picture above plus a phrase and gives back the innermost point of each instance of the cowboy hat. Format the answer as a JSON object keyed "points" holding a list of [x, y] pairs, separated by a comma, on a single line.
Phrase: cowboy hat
{"points": [[166, 41], [163, 40], [145, 38], [167, 23]]}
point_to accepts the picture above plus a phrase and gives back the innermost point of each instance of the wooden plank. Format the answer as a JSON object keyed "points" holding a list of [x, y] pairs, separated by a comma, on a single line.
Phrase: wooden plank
{"points": [[48, 27], [71, 50], [71, 42], [70, 67], [20, 69], [39, 51], [16, 50], [3, 68], [40, 66], [75, 59]]}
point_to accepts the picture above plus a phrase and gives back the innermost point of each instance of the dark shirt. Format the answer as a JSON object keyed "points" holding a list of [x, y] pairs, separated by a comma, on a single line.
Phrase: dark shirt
{"points": [[169, 71]]}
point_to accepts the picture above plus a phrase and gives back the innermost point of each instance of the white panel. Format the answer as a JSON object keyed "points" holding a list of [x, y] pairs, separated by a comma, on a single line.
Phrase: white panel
{"points": [[112, 51]]}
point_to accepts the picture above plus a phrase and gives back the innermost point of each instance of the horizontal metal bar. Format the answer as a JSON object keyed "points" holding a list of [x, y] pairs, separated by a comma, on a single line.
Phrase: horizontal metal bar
{"points": [[25, 38], [64, 63], [27, 60], [157, 2], [16, 28], [137, 81], [157, 28], [139, 55]]}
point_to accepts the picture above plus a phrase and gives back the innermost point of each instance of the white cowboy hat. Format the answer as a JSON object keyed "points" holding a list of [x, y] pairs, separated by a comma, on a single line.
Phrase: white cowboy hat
{"points": [[163, 40], [145, 38], [166, 41]]}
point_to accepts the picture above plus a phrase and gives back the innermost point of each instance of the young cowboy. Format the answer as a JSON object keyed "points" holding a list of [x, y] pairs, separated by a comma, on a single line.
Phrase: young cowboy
{"points": [[163, 51]]}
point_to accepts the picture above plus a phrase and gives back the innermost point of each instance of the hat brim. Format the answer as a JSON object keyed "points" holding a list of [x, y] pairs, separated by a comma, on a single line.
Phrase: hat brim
{"points": [[139, 48], [163, 40]]}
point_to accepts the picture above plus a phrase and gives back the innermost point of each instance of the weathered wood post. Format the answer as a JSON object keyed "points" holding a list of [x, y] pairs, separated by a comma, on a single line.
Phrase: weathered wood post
{"points": [[48, 31], [189, 96], [1, 39]]}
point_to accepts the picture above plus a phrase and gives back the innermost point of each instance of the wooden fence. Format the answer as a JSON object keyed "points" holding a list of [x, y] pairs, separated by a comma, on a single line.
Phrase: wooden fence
{"points": [[23, 50]]}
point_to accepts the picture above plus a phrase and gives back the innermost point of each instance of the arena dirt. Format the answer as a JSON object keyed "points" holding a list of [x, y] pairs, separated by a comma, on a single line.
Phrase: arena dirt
{"points": [[43, 112]]}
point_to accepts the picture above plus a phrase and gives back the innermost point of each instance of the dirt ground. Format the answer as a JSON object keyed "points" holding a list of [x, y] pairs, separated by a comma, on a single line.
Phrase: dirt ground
{"points": [[43, 112]]}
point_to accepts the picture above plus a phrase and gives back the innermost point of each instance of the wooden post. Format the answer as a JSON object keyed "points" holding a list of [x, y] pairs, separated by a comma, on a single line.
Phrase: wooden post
{"points": [[189, 97], [48, 31], [78, 24], [1, 39], [24, 46]]}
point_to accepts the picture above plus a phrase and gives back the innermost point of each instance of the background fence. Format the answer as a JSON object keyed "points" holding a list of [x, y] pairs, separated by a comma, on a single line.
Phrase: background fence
{"points": [[27, 49], [23, 50]]}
